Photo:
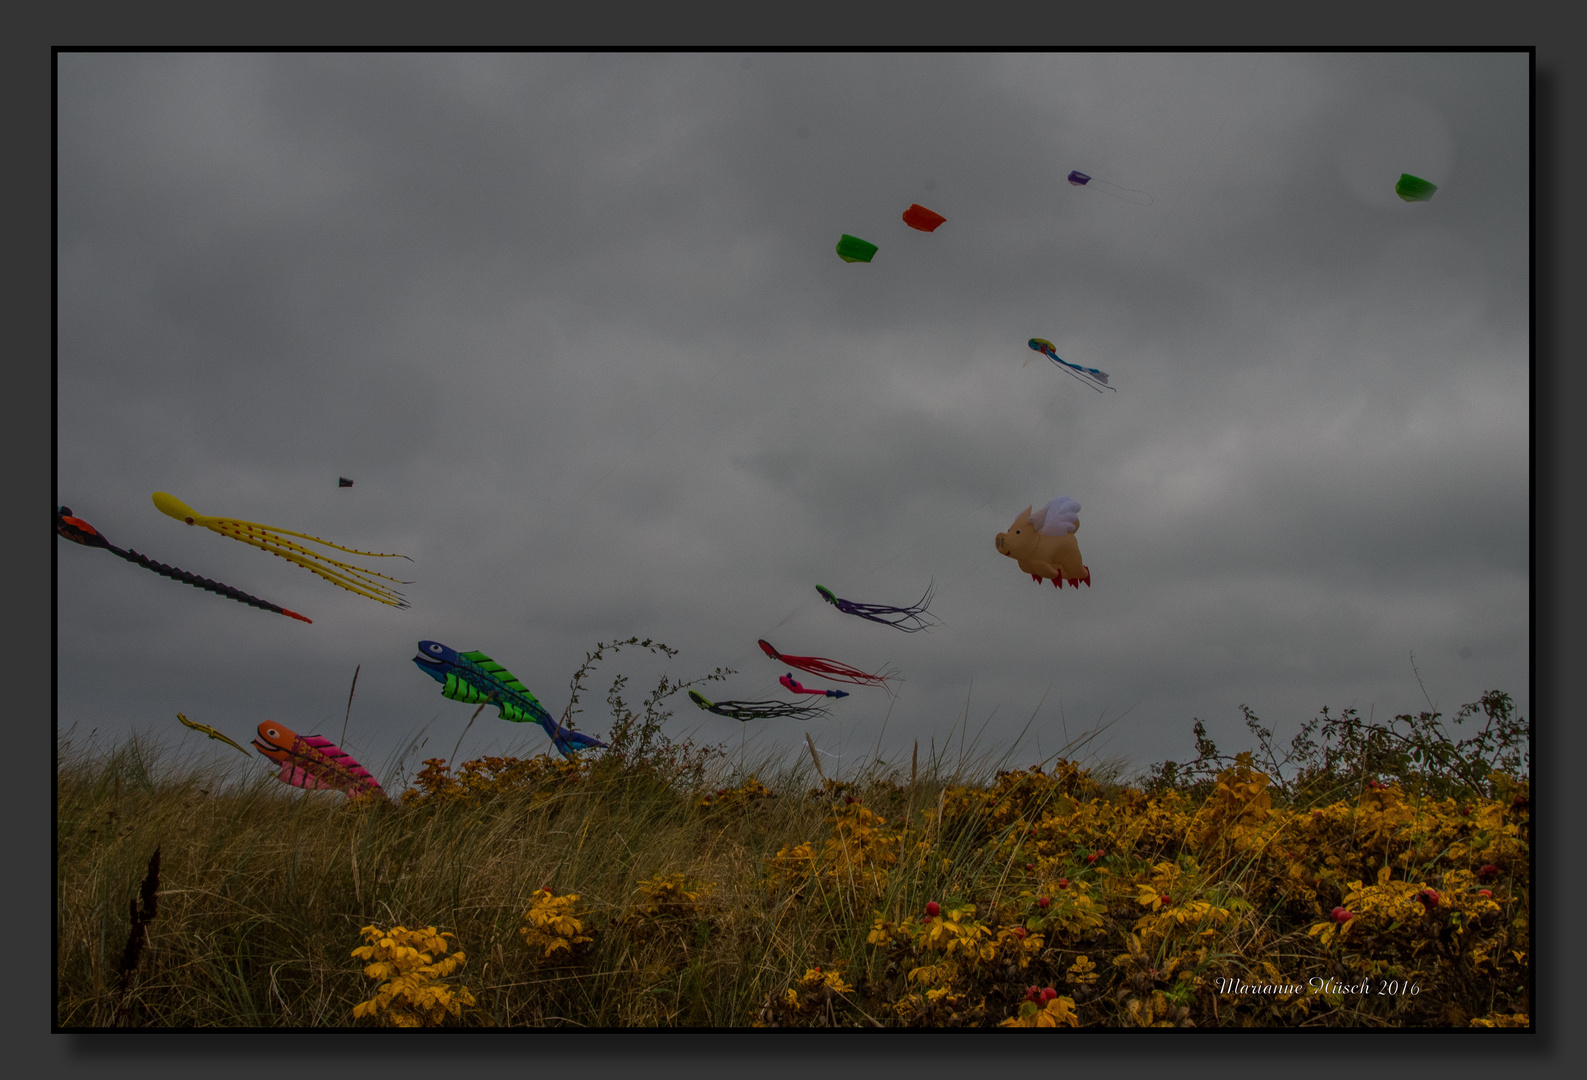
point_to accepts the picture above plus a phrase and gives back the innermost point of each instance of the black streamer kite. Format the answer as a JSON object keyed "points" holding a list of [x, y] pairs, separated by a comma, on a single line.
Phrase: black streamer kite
{"points": [[79, 531], [758, 710]]}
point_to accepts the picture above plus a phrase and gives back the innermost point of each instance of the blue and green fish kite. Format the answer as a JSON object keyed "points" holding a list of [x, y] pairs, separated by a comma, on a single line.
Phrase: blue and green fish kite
{"points": [[474, 677]]}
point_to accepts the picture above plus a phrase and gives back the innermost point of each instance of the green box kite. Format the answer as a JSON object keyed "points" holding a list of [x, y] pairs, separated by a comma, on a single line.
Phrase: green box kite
{"points": [[853, 249], [1414, 188]]}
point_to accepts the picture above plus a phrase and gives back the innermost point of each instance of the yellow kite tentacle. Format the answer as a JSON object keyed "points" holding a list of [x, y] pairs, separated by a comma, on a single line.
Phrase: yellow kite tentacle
{"points": [[354, 579], [316, 539], [228, 527], [351, 584], [352, 573]]}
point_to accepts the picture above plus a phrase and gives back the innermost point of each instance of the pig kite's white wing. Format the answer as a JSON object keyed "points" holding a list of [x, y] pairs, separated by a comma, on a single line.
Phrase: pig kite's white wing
{"points": [[1058, 518]]}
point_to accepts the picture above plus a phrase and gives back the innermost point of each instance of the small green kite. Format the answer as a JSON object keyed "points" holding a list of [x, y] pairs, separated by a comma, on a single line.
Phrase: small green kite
{"points": [[1414, 188], [853, 249]]}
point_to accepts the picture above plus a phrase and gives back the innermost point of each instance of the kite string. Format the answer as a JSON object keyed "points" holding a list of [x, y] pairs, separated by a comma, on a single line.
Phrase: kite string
{"points": [[152, 456], [916, 545], [1207, 146], [643, 443], [1139, 259]]}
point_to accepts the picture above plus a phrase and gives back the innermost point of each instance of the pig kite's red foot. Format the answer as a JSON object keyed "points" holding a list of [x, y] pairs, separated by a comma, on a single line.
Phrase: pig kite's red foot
{"points": [[1036, 578], [1074, 583], [1057, 583]]}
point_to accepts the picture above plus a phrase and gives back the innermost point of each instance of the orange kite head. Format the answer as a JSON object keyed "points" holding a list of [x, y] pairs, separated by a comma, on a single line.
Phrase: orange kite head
{"points": [[275, 740]]}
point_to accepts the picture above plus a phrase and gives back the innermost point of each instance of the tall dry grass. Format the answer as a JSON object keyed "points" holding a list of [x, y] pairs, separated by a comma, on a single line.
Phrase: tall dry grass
{"points": [[264, 890], [711, 901]]}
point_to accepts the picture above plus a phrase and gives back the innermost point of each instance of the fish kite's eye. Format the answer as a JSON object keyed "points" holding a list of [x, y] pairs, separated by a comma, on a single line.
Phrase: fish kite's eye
{"points": [[434, 647], [273, 733], [189, 521]]}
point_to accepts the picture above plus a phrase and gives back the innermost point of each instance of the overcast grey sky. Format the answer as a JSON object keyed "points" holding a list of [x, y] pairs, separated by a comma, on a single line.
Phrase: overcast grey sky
{"points": [[575, 327]]}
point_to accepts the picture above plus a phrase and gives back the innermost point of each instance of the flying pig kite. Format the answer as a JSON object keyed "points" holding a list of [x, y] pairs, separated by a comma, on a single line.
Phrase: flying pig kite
{"points": [[1044, 543], [834, 670], [79, 531], [908, 619], [757, 710], [1139, 198], [268, 538], [1050, 351], [474, 677], [313, 762]]}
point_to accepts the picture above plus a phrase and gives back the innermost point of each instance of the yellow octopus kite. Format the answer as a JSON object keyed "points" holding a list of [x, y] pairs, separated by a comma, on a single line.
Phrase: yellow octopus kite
{"points": [[352, 578]]}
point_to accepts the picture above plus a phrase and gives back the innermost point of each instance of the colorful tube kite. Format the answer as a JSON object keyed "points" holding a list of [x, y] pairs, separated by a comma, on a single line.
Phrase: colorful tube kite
{"points": [[79, 531], [829, 669], [758, 710], [909, 619], [1050, 351], [268, 538], [313, 762]]}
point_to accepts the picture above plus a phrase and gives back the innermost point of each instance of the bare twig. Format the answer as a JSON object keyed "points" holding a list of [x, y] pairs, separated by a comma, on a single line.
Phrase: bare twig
{"points": [[815, 757], [349, 713], [466, 726]]}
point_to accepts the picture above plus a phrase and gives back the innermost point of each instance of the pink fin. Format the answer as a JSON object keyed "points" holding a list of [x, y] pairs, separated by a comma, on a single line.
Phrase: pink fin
{"points": [[334, 767], [297, 776]]}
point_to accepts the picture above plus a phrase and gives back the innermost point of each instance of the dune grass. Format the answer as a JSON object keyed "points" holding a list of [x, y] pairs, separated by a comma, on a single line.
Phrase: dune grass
{"points": [[658, 886]]}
